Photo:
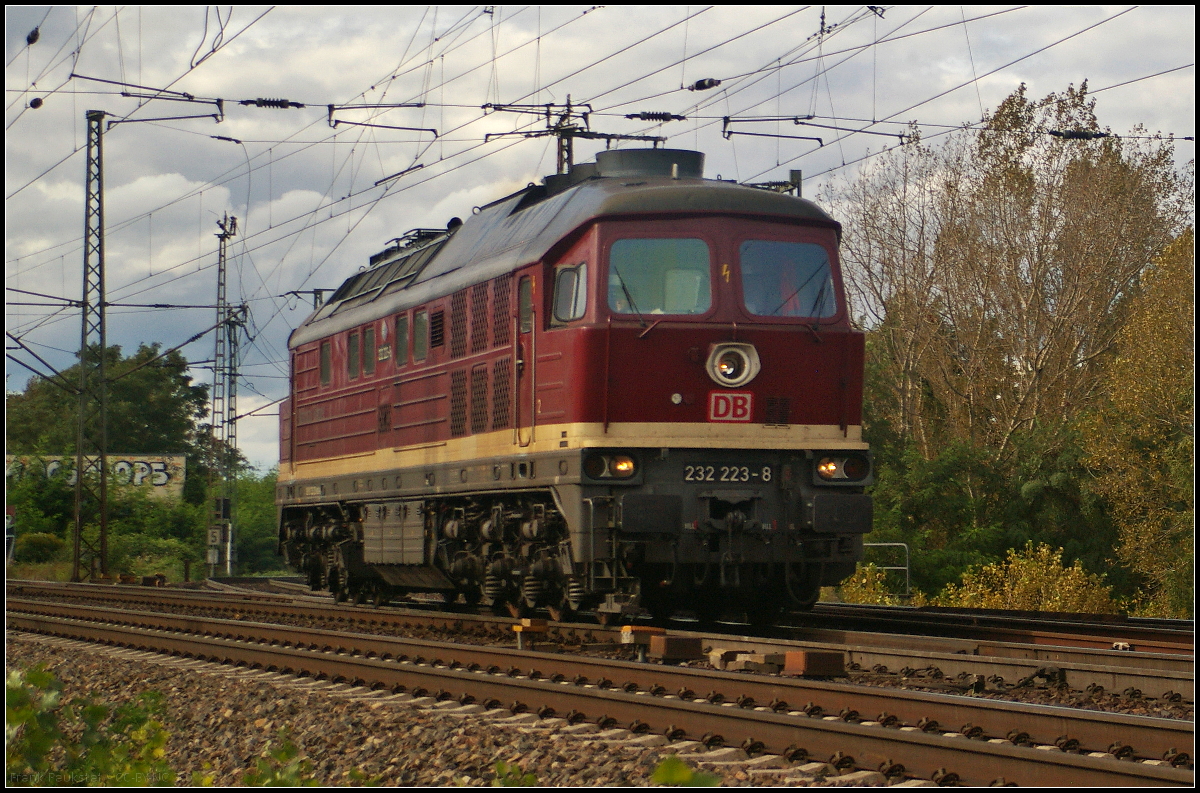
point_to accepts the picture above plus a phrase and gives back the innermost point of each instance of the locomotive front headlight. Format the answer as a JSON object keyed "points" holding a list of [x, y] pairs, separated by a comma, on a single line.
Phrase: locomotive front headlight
{"points": [[733, 364]]}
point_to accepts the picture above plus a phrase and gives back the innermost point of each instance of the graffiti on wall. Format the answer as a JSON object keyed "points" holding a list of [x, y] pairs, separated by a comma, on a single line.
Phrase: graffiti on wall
{"points": [[158, 474]]}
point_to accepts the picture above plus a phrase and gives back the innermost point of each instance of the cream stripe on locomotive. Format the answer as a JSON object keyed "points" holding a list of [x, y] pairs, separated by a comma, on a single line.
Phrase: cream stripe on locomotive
{"points": [[557, 437]]}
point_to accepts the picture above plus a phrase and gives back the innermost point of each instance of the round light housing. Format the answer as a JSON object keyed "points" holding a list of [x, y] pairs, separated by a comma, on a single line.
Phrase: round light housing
{"points": [[848, 468], [733, 364], [609, 466]]}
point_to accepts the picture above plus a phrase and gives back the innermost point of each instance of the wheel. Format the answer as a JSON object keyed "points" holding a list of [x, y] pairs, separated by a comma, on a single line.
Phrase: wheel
{"points": [[381, 596]]}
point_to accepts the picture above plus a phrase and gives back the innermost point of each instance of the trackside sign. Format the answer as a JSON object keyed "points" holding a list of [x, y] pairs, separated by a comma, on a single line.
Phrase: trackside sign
{"points": [[728, 406]]}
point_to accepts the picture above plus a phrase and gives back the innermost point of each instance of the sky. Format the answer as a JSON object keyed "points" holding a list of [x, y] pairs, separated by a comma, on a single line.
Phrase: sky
{"points": [[314, 200]]}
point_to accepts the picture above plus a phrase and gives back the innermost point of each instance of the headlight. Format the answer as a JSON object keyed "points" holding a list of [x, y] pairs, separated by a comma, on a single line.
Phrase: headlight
{"points": [[850, 468], [609, 466], [733, 364]]}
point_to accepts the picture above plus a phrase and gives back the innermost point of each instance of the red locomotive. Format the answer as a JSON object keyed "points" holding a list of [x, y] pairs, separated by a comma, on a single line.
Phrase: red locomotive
{"points": [[626, 389]]}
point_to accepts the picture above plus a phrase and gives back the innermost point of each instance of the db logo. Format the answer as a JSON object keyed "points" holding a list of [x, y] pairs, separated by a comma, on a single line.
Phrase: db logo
{"points": [[726, 406]]}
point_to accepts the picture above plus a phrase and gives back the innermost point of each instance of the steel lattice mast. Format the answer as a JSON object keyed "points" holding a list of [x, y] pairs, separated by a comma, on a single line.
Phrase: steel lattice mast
{"points": [[91, 465], [224, 406]]}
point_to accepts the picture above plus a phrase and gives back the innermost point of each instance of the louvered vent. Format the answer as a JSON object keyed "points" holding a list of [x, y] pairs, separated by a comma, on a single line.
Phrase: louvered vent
{"points": [[502, 394], [458, 403], [479, 317], [779, 410], [458, 324], [479, 399], [437, 329], [501, 310]]}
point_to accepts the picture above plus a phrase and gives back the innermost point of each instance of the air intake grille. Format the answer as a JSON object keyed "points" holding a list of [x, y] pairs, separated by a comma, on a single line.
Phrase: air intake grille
{"points": [[479, 399], [458, 403], [779, 410], [502, 394], [437, 329], [479, 317], [501, 310], [458, 324]]}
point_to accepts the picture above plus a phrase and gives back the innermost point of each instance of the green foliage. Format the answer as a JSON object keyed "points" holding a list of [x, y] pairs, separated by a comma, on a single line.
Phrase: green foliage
{"points": [[511, 775], [81, 742], [153, 410], [38, 548], [282, 765], [1034, 579], [257, 530], [1140, 441], [868, 585], [676, 773], [44, 505]]}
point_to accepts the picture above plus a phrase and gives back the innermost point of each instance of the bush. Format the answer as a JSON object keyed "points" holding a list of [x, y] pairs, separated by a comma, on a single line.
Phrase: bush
{"points": [[1034, 579], [38, 548], [867, 585], [82, 742]]}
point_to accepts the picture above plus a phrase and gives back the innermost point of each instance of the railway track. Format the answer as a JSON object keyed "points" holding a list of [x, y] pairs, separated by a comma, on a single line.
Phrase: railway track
{"points": [[1102, 632], [661, 699], [1153, 674]]}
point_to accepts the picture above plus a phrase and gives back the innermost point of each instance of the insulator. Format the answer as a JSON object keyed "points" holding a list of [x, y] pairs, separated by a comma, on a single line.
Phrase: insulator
{"points": [[450, 529], [282, 104], [531, 529], [1078, 134], [654, 116], [705, 84]]}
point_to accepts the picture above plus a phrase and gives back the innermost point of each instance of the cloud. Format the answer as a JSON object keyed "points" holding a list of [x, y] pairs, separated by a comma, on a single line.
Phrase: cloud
{"points": [[309, 211]]}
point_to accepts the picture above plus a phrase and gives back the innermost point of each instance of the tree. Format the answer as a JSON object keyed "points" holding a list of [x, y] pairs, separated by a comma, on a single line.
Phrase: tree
{"points": [[153, 408], [993, 274], [1140, 441], [255, 519], [995, 270]]}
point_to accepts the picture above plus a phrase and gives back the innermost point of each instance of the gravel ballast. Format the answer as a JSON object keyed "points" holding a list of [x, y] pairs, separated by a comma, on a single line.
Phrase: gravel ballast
{"points": [[222, 719]]}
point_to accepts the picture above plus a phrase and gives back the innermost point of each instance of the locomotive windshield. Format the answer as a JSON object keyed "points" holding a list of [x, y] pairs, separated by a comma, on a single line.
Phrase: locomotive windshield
{"points": [[786, 279], [659, 276]]}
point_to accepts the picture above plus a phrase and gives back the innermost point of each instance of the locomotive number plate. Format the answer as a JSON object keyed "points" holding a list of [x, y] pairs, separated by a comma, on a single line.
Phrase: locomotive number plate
{"points": [[726, 473]]}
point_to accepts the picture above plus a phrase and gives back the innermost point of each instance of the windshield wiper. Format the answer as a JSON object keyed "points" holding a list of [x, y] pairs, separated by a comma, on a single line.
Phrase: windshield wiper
{"points": [[629, 297], [788, 299]]}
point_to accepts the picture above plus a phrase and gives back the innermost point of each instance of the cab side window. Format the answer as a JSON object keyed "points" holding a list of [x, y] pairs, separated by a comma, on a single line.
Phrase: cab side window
{"points": [[420, 336], [352, 360], [570, 292], [326, 362], [525, 304], [401, 340], [369, 350]]}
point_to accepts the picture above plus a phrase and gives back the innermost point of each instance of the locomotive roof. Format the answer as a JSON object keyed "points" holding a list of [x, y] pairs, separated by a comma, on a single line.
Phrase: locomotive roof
{"points": [[523, 228]]}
